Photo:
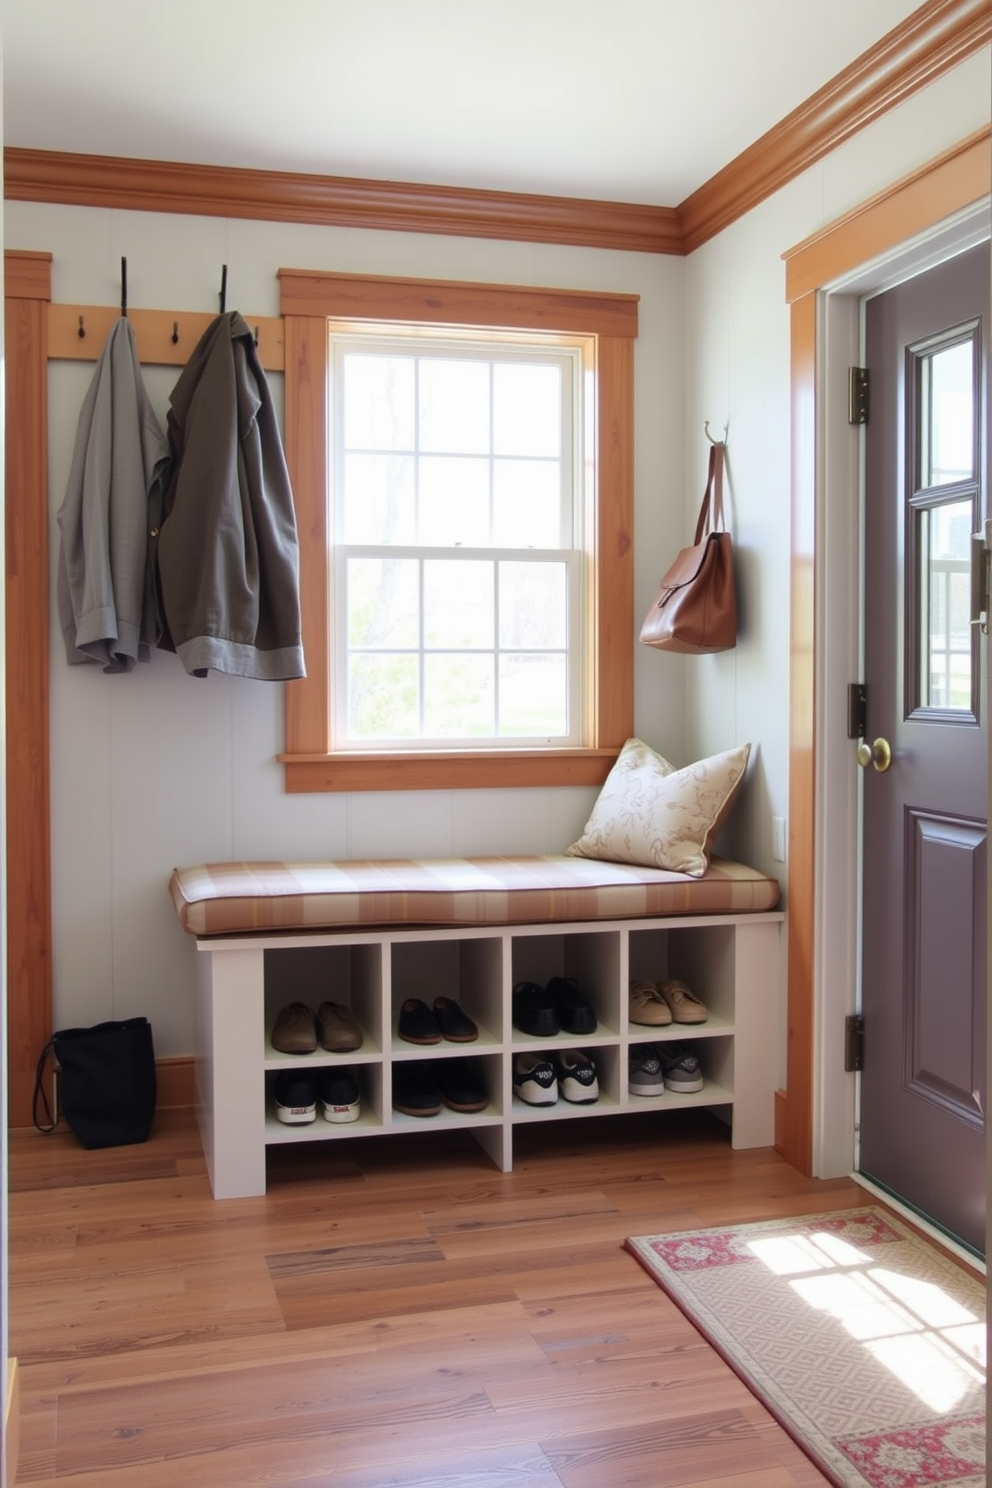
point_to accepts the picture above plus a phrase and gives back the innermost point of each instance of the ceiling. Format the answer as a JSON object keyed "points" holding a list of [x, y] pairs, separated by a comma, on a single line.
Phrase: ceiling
{"points": [[625, 100]]}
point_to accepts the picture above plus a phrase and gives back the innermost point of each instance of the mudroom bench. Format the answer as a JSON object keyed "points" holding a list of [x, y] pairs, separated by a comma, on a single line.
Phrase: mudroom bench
{"points": [[371, 934]]}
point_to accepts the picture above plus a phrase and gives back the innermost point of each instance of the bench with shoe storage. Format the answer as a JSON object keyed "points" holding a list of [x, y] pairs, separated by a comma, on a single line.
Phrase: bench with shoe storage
{"points": [[483, 993]]}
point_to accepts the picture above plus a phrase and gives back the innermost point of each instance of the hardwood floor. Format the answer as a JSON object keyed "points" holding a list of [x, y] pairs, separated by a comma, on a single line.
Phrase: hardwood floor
{"points": [[393, 1314]]}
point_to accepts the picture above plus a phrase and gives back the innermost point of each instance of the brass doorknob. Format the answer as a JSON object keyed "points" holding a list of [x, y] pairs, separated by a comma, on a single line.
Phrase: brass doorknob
{"points": [[878, 754]]}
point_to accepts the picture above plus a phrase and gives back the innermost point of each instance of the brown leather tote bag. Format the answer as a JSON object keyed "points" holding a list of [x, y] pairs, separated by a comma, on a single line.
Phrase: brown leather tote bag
{"points": [[695, 609]]}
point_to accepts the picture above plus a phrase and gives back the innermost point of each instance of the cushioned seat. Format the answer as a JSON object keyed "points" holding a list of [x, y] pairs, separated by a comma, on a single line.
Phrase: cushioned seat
{"points": [[240, 898]]}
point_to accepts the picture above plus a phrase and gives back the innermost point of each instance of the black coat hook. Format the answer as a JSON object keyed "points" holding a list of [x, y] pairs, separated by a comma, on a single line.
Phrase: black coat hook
{"points": [[223, 288], [124, 288], [81, 333], [175, 333]]}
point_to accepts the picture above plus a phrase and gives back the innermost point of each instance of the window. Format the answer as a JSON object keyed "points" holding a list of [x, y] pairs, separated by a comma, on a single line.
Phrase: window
{"points": [[461, 457], [456, 534]]}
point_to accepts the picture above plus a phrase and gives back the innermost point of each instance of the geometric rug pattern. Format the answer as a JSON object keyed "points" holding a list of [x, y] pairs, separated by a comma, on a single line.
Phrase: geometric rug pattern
{"points": [[865, 1342]]}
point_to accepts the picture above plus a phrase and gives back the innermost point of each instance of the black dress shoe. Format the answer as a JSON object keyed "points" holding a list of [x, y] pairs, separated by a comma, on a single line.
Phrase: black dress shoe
{"points": [[417, 1024], [534, 1011], [574, 1012], [415, 1090], [456, 1026], [462, 1086]]}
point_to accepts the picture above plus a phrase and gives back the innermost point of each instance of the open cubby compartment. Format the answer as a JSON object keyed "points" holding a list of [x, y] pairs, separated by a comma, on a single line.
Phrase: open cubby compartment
{"points": [[468, 969], [702, 956], [351, 974], [592, 957], [370, 1118], [490, 1068]]}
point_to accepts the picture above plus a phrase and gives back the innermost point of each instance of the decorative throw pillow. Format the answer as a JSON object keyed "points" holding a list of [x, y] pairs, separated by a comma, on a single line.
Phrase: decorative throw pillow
{"points": [[659, 817]]}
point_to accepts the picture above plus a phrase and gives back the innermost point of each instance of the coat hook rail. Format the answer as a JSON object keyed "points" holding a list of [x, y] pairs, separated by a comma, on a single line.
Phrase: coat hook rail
{"points": [[165, 337], [710, 437]]}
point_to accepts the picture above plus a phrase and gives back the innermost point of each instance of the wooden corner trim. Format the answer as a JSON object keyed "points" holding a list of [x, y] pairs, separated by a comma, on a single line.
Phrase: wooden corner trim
{"points": [[928, 43], [282, 196]]}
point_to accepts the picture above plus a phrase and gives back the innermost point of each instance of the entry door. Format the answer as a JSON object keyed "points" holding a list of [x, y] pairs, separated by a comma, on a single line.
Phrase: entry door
{"points": [[925, 785]]}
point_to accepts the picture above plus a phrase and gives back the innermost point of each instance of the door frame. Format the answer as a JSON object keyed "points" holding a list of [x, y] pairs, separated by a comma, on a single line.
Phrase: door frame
{"points": [[920, 220]]}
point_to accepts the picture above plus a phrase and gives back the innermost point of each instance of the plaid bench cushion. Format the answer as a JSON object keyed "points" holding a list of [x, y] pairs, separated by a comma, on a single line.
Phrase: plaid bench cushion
{"points": [[239, 898]]}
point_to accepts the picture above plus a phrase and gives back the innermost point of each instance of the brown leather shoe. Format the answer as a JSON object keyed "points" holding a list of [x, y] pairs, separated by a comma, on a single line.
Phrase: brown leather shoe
{"points": [[295, 1029], [338, 1028]]}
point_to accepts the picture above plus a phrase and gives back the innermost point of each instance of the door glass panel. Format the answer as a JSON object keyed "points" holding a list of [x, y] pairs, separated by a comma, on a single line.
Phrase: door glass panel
{"points": [[947, 408], [944, 642]]}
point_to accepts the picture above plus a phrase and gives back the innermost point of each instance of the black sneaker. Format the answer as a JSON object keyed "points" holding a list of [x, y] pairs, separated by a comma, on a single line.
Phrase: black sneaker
{"points": [[295, 1098], [415, 1089], [577, 1079], [339, 1095], [574, 1012]]}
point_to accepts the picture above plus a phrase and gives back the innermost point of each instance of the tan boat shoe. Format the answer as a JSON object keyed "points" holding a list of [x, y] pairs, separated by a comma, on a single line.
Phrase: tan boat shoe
{"points": [[295, 1029], [685, 1006], [647, 1005]]}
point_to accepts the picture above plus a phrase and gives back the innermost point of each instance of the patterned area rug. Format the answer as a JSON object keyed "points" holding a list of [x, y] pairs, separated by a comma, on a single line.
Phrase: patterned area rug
{"points": [[866, 1343]]}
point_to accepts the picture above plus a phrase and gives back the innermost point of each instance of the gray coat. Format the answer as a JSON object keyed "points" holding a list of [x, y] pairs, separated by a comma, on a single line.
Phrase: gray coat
{"points": [[227, 551], [119, 468]]}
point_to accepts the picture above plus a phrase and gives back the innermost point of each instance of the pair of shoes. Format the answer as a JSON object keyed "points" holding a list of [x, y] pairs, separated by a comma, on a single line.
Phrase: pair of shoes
{"points": [[660, 1003], [654, 1068], [298, 1029], [296, 1096], [419, 1025], [421, 1087], [546, 1011], [538, 1079]]}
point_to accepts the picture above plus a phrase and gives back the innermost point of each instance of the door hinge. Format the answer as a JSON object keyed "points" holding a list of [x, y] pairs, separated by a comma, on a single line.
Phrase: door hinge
{"points": [[857, 395], [857, 710], [981, 580], [854, 1043]]}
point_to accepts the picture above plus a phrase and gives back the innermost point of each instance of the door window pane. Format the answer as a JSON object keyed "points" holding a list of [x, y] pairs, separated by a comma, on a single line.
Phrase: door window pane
{"points": [[947, 423], [944, 606]]}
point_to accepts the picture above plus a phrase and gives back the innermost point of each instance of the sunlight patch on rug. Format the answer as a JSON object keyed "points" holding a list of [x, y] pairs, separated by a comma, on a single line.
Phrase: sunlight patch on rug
{"points": [[864, 1341]]}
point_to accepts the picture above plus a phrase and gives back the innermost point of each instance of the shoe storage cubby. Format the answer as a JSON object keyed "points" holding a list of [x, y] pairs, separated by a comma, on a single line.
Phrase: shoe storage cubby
{"points": [[731, 962]]}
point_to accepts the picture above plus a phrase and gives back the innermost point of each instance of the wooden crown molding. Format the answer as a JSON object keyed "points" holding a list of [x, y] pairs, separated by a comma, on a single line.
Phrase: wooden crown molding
{"points": [[934, 38], [277, 196], [926, 44]]}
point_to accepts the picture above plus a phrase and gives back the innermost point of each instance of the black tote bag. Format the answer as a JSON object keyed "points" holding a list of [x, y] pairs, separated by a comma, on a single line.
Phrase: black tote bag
{"points": [[106, 1082]]}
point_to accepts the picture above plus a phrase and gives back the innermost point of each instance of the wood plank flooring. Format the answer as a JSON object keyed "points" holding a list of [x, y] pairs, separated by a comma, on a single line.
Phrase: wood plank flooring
{"points": [[393, 1314]]}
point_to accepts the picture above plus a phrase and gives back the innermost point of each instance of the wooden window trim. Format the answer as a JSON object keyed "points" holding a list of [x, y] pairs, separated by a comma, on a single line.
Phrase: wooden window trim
{"points": [[309, 300]]}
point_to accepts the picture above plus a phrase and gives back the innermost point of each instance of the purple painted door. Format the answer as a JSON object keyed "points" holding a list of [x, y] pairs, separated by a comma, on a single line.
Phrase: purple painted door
{"points": [[922, 1117]]}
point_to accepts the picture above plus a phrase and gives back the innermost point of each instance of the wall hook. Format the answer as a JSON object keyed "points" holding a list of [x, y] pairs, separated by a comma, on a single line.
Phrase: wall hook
{"points": [[223, 288], [81, 333], [709, 436], [175, 333], [124, 288], [255, 338]]}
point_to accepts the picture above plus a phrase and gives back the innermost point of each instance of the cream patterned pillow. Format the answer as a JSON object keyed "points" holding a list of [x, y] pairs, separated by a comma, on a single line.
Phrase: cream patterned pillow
{"points": [[659, 817]]}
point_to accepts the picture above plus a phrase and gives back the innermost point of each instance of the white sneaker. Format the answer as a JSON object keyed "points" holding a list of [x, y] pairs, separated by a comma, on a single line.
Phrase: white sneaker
{"points": [[577, 1080], [534, 1080]]}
